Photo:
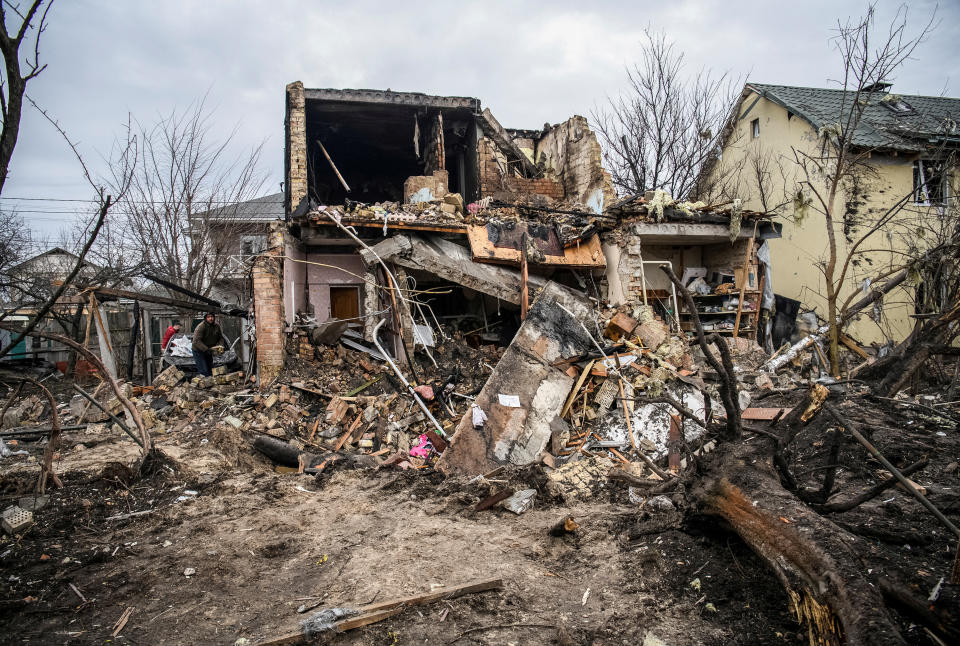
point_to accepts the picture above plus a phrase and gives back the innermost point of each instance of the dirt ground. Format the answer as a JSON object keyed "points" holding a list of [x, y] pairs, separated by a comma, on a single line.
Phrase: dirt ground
{"points": [[259, 545], [263, 544]]}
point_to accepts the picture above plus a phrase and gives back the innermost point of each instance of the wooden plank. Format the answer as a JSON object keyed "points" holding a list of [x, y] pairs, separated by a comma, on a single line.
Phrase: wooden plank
{"points": [[743, 282], [349, 432], [445, 593], [311, 391], [588, 254], [379, 611], [150, 298], [764, 414], [852, 345], [333, 166], [493, 499], [524, 288], [576, 388], [313, 431]]}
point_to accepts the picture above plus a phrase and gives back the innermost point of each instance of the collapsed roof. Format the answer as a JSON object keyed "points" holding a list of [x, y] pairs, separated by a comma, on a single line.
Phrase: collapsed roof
{"points": [[347, 145]]}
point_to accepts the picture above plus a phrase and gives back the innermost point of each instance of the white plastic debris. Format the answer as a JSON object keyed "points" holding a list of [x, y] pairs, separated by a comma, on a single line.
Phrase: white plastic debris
{"points": [[189, 571], [479, 417], [181, 346], [520, 501], [510, 401], [5, 452]]}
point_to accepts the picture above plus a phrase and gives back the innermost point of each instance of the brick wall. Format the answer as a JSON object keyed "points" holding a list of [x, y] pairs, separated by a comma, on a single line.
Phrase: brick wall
{"points": [[490, 172], [494, 183], [296, 143], [570, 150], [543, 186], [268, 307]]}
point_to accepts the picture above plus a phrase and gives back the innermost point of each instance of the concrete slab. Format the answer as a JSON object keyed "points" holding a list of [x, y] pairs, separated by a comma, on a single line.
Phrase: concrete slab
{"points": [[513, 435]]}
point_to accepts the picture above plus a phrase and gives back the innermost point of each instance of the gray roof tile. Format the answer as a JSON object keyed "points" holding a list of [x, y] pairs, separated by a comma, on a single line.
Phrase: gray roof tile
{"points": [[931, 120]]}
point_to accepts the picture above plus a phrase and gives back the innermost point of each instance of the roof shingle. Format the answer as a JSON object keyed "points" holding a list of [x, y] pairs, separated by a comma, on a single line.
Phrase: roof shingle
{"points": [[931, 120]]}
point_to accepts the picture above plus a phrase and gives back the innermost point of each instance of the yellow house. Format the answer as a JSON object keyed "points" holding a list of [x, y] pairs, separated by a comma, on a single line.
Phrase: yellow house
{"points": [[777, 156]]}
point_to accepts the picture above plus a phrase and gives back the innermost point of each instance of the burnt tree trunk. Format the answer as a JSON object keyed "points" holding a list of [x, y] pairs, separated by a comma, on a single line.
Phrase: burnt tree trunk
{"points": [[814, 560]]}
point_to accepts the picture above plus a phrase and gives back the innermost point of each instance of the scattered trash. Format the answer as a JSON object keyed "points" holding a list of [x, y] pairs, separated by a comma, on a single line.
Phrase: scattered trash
{"points": [[520, 501], [510, 401], [16, 519]]}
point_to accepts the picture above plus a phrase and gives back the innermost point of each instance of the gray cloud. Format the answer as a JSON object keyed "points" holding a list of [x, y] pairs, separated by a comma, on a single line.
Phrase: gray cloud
{"points": [[529, 62]]}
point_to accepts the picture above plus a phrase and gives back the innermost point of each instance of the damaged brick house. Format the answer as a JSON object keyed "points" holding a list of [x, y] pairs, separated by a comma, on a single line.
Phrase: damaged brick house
{"points": [[468, 217]]}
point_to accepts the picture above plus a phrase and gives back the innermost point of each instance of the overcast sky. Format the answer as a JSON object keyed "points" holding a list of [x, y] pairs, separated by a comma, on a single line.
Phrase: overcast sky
{"points": [[530, 63]]}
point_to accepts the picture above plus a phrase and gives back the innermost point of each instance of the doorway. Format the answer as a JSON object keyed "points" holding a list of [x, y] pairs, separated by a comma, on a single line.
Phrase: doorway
{"points": [[344, 302]]}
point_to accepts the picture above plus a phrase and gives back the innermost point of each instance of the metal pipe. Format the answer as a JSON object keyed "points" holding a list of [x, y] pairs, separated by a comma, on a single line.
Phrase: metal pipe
{"points": [[116, 419], [673, 288], [404, 381], [394, 283], [36, 430]]}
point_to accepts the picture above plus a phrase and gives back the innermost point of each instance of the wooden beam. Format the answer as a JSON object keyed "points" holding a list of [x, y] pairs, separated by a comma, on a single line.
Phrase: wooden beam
{"points": [[375, 612], [149, 298], [576, 388], [852, 345], [743, 282], [524, 276], [333, 166], [406, 226]]}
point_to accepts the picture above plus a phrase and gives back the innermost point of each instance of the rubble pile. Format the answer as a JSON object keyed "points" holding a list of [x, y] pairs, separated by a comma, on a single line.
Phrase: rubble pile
{"points": [[26, 410]]}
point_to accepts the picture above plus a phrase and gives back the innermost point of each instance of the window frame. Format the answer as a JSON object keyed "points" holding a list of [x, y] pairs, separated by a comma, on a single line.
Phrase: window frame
{"points": [[755, 128], [921, 184]]}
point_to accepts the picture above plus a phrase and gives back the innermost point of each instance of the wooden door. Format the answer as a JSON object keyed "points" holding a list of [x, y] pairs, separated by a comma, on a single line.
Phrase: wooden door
{"points": [[344, 302]]}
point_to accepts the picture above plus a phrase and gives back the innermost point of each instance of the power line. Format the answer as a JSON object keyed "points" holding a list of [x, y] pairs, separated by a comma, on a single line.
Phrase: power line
{"points": [[92, 201]]}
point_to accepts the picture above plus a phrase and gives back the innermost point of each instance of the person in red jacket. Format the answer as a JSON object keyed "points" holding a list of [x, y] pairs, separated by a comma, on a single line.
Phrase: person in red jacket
{"points": [[173, 329]]}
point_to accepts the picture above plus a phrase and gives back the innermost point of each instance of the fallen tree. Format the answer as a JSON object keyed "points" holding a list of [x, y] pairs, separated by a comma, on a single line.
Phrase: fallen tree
{"points": [[750, 486]]}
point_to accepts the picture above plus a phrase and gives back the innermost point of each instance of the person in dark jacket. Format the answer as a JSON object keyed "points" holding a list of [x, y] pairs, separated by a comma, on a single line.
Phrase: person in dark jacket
{"points": [[173, 329], [206, 343]]}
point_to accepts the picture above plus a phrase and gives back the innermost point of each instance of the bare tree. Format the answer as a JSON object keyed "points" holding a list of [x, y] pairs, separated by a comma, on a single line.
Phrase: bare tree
{"points": [[182, 215], [14, 242], [660, 132], [18, 34], [122, 169], [836, 172]]}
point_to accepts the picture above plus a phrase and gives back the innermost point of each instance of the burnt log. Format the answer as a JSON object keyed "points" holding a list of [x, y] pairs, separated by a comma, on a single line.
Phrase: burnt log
{"points": [[813, 558]]}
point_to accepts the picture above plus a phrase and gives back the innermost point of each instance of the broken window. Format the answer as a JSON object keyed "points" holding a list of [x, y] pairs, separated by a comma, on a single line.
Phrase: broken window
{"points": [[898, 105], [930, 181], [755, 128]]}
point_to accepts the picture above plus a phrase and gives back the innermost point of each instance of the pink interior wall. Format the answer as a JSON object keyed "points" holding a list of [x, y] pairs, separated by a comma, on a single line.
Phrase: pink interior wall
{"points": [[320, 278], [294, 282]]}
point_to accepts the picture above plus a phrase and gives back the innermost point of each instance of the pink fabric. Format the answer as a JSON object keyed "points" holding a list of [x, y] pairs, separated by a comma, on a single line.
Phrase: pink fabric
{"points": [[422, 450]]}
